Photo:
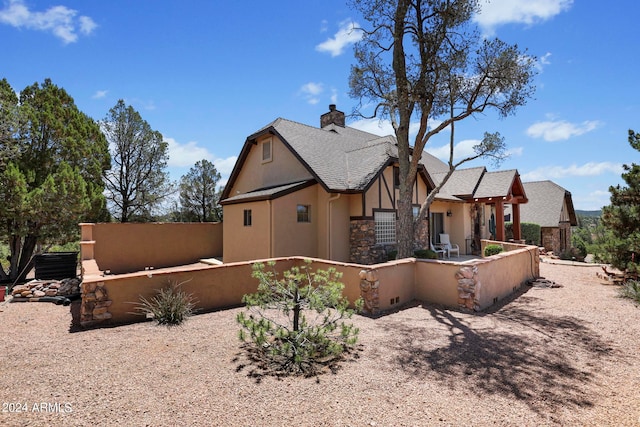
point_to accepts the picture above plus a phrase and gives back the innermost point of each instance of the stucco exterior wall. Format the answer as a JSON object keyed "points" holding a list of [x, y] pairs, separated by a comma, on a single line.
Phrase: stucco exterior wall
{"points": [[458, 224], [128, 247], [293, 237], [247, 242], [284, 168]]}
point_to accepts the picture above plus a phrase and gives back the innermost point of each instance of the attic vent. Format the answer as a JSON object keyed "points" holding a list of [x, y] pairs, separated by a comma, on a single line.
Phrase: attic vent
{"points": [[332, 117]]}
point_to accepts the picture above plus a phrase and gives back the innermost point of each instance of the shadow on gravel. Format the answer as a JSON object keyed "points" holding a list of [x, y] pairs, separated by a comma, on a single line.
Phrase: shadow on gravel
{"points": [[535, 362]]}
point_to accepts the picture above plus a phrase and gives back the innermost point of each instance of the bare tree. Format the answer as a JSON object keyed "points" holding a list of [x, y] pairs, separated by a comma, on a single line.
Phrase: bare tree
{"points": [[137, 182], [426, 59]]}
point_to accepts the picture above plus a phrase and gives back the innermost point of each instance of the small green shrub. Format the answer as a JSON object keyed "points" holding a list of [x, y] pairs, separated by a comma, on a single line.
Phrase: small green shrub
{"points": [[492, 250], [425, 254], [418, 253], [631, 289], [294, 323], [171, 306]]}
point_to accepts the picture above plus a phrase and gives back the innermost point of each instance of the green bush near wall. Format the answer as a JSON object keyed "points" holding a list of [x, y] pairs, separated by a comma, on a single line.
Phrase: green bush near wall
{"points": [[420, 253], [529, 232], [492, 250]]}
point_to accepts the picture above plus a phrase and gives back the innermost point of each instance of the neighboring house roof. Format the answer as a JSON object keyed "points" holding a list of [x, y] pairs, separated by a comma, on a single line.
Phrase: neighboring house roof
{"points": [[546, 202]]}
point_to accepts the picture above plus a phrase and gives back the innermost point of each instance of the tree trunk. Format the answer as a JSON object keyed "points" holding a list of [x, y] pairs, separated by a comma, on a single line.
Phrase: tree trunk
{"points": [[296, 311], [21, 262]]}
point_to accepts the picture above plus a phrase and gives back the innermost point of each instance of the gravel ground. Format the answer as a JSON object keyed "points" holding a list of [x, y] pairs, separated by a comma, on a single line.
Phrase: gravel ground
{"points": [[565, 356]]}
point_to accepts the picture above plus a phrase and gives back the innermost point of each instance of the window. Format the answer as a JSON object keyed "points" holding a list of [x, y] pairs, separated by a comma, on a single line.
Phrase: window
{"points": [[247, 217], [396, 177], [416, 211], [266, 150], [304, 213], [385, 224]]}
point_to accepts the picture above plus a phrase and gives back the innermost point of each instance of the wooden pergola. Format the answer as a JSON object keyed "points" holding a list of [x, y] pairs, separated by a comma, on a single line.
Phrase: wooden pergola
{"points": [[514, 196]]}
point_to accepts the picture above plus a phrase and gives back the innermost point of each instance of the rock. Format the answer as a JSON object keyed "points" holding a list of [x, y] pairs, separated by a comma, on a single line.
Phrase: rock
{"points": [[38, 293], [51, 292]]}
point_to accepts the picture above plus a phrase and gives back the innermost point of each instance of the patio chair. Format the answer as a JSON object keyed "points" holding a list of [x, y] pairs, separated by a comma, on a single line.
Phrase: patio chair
{"points": [[450, 247], [439, 251]]}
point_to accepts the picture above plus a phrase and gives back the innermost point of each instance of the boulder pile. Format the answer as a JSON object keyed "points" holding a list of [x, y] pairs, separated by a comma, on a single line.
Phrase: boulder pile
{"points": [[39, 288]]}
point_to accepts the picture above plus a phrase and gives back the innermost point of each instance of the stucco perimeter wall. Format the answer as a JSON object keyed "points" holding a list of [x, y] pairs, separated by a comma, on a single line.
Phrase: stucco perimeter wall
{"points": [[436, 282], [478, 284], [129, 247], [113, 298], [502, 274]]}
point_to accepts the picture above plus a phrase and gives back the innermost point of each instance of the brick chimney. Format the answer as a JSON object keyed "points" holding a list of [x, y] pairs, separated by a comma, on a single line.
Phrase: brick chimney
{"points": [[333, 116]]}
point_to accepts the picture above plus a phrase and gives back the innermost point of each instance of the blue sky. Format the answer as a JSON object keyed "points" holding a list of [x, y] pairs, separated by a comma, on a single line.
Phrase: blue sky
{"points": [[207, 74]]}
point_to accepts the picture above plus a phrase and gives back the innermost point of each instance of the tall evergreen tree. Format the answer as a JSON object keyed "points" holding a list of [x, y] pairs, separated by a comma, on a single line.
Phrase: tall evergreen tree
{"points": [[54, 180], [620, 245], [138, 181], [198, 196], [426, 61]]}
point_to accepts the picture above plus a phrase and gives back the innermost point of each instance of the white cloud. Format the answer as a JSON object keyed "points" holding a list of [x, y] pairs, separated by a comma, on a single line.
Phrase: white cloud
{"points": [[588, 169], [100, 94], [59, 20], [182, 155], [460, 150], [310, 92], [347, 34], [499, 12], [225, 166], [374, 126], [592, 201], [560, 129], [186, 156], [324, 26]]}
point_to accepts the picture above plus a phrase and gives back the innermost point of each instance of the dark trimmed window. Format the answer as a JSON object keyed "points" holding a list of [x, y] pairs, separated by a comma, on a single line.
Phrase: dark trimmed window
{"points": [[304, 213], [396, 177], [247, 217]]}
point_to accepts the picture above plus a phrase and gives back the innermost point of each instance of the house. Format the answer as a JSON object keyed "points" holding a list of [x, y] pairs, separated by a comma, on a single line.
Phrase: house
{"points": [[331, 192], [551, 207]]}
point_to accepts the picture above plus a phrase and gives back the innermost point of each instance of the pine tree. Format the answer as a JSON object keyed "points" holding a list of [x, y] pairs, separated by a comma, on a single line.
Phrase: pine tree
{"points": [[620, 245], [51, 167], [278, 326]]}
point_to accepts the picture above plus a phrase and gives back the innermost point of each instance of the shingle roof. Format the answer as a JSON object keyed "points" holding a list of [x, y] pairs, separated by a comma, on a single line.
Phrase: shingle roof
{"points": [[267, 193], [345, 159], [495, 184], [462, 183], [546, 200], [342, 158]]}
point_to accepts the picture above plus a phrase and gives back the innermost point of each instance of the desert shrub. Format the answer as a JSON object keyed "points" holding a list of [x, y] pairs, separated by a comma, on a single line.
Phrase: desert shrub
{"points": [[426, 254], [631, 289], [572, 254], [276, 326], [170, 306], [418, 253], [492, 250]]}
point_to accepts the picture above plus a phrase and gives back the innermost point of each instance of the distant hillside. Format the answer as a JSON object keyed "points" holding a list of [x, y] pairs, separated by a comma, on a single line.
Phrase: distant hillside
{"points": [[595, 214]]}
